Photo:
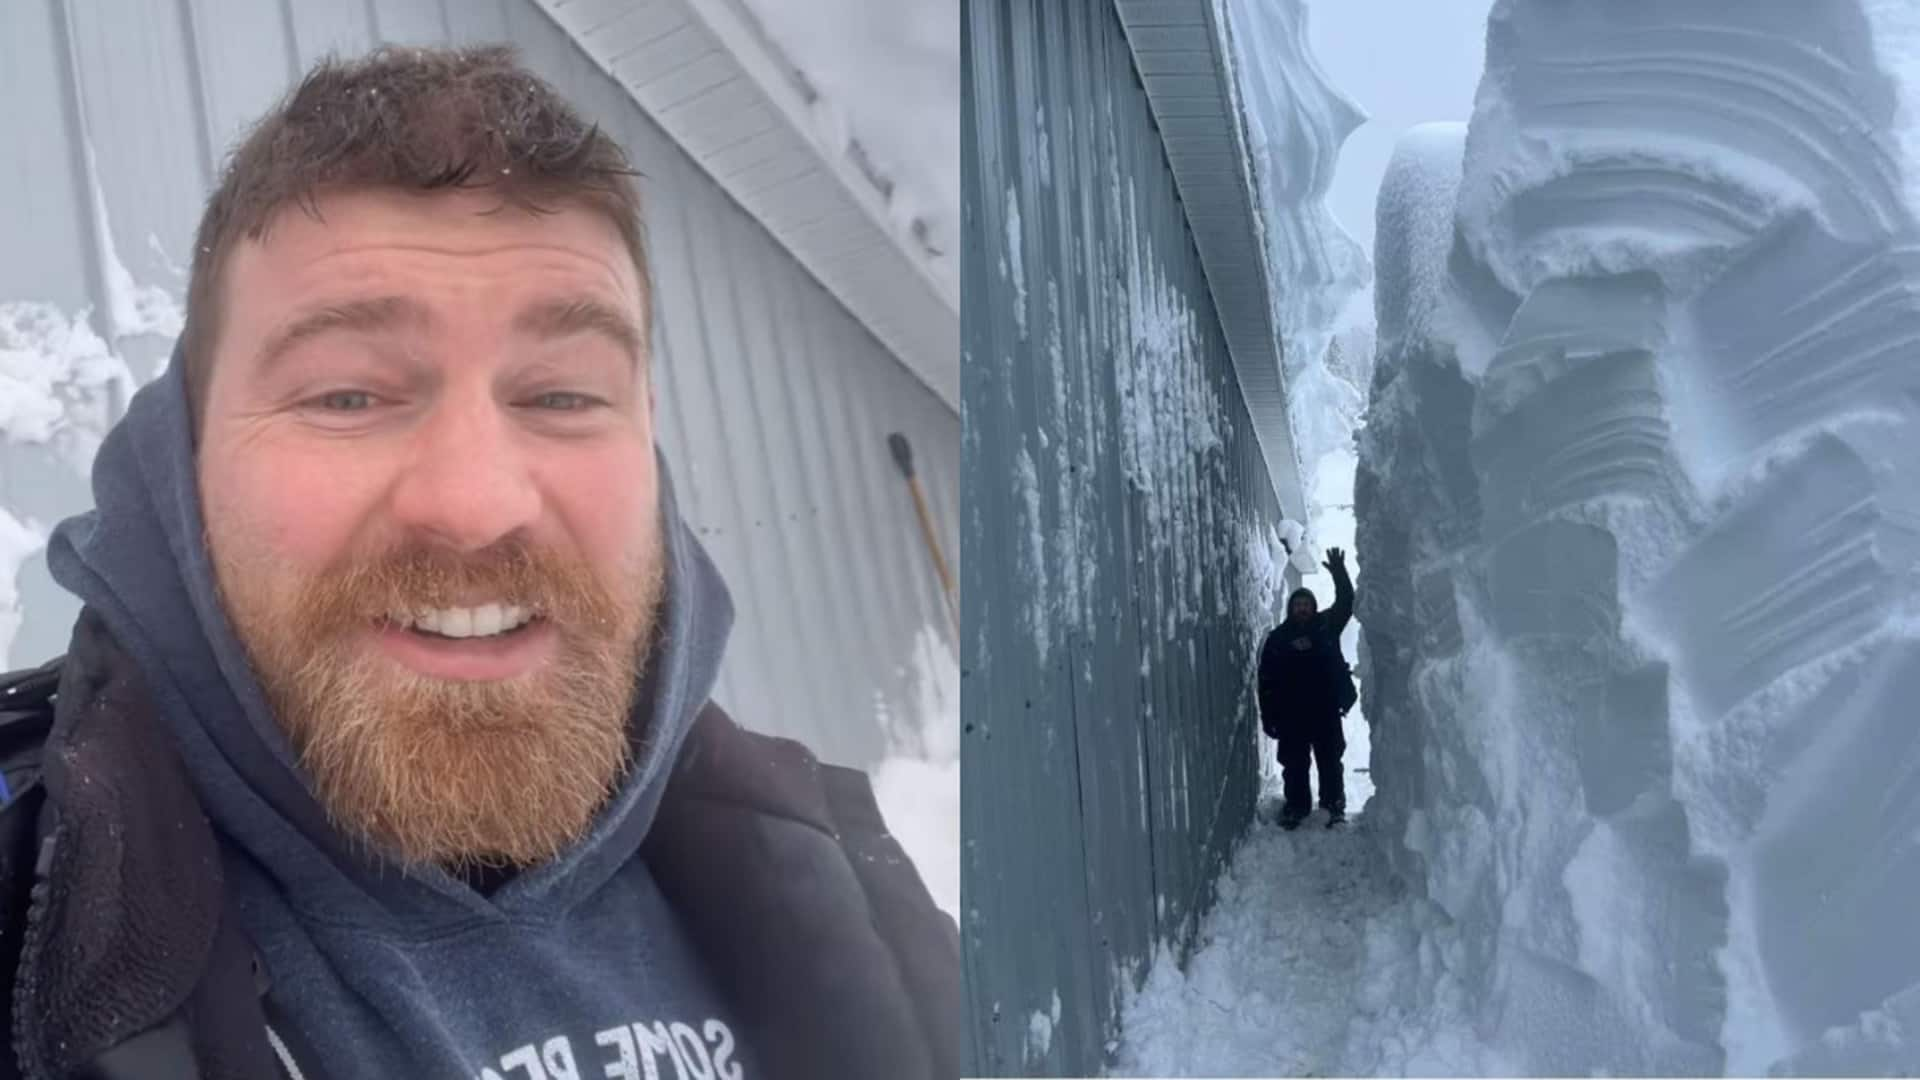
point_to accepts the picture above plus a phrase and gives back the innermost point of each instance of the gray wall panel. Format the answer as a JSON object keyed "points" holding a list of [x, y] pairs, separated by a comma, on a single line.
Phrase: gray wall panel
{"points": [[320, 29], [236, 45], [408, 22], [46, 213], [474, 21], [1109, 755], [774, 403]]}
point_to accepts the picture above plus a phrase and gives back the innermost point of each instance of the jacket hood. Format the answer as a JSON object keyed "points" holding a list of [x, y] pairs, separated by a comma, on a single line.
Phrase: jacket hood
{"points": [[140, 560], [1297, 594]]}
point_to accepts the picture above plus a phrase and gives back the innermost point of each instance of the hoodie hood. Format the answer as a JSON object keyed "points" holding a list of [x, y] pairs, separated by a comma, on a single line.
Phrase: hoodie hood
{"points": [[1297, 594], [140, 560]]}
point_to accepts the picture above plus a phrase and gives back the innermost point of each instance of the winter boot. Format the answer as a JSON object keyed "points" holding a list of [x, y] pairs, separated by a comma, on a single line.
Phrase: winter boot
{"points": [[1291, 817], [1336, 816]]}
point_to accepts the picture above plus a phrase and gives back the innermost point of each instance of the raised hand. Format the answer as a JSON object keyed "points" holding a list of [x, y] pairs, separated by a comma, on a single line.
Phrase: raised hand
{"points": [[1336, 561]]}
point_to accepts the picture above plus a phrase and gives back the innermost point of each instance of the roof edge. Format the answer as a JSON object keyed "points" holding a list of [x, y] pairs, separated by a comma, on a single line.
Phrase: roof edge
{"points": [[826, 208], [1200, 100]]}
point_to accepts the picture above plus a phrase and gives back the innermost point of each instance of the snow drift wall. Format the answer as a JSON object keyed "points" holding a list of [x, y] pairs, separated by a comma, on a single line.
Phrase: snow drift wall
{"points": [[1638, 499], [1295, 121]]}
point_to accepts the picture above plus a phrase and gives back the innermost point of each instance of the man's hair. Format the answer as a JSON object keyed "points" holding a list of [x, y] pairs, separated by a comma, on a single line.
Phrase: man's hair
{"points": [[416, 120]]}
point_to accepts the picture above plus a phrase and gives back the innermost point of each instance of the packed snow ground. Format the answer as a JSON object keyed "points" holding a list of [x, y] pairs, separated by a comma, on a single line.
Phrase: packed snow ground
{"points": [[1308, 965], [1270, 988]]}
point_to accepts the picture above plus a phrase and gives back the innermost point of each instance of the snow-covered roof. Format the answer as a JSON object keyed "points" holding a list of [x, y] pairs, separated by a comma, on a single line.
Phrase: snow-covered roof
{"points": [[711, 74], [1177, 50]]}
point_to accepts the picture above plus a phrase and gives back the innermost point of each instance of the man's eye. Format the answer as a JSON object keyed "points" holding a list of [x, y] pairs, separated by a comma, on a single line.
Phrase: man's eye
{"points": [[345, 401], [564, 401]]}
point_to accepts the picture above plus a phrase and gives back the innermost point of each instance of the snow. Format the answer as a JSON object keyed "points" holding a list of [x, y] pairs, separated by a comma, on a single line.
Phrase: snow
{"points": [[1040, 1027], [1173, 444], [1635, 497], [918, 783], [1405, 64], [1014, 263], [1301, 968], [1266, 989], [60, 384], [1416, 231], [1033, 552], [1642, 588], [1294, 123], [19, 541], [887, 80], [133, 309]]}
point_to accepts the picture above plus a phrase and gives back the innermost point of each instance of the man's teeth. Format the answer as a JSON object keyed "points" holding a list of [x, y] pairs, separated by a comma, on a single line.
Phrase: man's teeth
{"points": [[483, 621]]}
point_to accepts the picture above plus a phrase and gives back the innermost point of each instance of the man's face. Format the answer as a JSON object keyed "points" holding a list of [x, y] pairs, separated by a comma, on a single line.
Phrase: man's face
{"points": [[1302, 607], [426, 466]]}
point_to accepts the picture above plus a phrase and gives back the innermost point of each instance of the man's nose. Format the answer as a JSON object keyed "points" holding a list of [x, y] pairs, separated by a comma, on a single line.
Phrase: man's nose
{"points": [[468, 480]]}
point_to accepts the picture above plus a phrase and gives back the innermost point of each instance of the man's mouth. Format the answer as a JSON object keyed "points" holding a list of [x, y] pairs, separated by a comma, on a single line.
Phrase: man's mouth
{"points": [[459, 623], [482, 642]]}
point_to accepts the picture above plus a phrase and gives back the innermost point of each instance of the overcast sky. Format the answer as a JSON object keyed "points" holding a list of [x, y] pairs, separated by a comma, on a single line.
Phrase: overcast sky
{"points": [[1405, 62]]}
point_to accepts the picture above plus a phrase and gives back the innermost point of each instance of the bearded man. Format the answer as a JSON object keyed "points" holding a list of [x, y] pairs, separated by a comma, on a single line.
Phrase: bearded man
{"points": [[383, 746]]}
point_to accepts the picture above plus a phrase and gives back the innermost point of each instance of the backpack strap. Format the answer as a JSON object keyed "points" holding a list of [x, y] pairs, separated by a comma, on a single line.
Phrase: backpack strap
{"points": [[26, 715]]}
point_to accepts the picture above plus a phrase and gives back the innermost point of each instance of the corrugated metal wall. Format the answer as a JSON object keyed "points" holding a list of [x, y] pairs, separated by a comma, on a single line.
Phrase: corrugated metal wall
{"points": [[1112, 483], [774, 403]]}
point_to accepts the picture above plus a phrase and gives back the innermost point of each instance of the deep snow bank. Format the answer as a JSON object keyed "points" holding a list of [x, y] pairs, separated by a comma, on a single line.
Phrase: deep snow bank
{"points": [[1638, 498], [1294, 122]]}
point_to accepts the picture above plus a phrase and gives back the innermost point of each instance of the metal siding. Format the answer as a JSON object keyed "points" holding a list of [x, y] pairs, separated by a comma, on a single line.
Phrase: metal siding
{"points": [[1175, 44], [706, 72], [1099, 802], [477, 22], [340, 27], [773, 403], [408, 22], [238, 44]]}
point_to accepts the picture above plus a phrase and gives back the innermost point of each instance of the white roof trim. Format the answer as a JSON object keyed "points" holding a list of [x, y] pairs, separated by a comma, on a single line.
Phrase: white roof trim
{"points": [[710, 77], [1176, 50]]}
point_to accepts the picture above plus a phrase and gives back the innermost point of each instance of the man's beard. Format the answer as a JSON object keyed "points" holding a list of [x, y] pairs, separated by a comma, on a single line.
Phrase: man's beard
{"points": [[455, 773]]}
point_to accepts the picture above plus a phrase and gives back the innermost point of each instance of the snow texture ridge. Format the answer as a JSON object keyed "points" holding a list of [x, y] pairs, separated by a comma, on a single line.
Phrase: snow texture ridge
{"points": [[1639, 502]]}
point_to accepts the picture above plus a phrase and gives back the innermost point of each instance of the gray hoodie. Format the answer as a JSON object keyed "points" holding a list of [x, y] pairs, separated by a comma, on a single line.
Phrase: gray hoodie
{"points": [[574, 969]]}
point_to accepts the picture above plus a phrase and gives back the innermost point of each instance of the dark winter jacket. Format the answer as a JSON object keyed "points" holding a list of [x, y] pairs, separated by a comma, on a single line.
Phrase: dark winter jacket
{"points": [[123, 958], [171, 883], [1304, 678]]}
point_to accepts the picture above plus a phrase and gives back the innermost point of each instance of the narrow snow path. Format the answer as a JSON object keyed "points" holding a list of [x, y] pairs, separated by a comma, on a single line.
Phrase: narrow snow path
{"points": [[1315, 961], [1271, 986]]}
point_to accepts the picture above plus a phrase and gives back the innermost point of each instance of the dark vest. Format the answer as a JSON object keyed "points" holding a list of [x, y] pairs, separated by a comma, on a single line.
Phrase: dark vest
{"points": [[121, 960]]}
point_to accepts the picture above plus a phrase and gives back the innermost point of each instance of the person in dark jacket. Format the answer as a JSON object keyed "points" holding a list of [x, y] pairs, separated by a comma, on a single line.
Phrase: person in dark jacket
{"points": [[384, 746], [1306, 689]]}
